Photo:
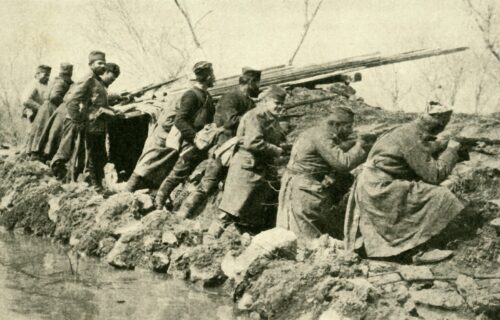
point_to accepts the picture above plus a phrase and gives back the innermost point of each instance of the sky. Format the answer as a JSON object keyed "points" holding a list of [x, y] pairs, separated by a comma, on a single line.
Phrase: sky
{"points": [[260, 33]]}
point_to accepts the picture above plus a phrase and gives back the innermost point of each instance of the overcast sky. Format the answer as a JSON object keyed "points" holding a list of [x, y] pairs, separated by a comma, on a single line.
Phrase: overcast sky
{"points": [[261, 33]]}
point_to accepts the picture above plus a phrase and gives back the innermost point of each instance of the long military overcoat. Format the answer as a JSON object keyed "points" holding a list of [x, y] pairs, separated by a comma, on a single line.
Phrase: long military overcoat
{"points": [[397, 203]]}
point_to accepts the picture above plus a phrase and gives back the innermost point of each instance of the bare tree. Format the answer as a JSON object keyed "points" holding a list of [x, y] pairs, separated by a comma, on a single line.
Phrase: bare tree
{"points": [[487, 20], [185, 13], [308, 20], [393, 88]]}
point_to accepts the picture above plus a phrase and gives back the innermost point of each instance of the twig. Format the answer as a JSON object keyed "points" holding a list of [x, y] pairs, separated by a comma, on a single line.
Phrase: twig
{"points": [[188, 20]]}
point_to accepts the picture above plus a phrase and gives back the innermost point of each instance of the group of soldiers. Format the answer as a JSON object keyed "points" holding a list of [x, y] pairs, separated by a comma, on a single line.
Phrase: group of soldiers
{"points": [[396, 204]]}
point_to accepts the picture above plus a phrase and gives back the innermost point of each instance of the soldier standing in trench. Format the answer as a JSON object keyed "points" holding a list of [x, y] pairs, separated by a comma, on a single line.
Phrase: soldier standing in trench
{"points": [[232, 106], [252, 170], [55, 96], [317, 176], [195, 111], [84, 99]]}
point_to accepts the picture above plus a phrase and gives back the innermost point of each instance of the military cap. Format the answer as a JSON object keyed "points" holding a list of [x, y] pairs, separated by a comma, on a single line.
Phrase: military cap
{"points": [[66, 68], [201, 67], [435, 108], [341, 114], [43, 68], [277, 93], [96, 55], [251, 73], [113, 67]]}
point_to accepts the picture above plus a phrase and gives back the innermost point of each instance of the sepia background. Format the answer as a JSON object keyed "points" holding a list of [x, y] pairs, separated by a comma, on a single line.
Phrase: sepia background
{"points": [[152, 41]]}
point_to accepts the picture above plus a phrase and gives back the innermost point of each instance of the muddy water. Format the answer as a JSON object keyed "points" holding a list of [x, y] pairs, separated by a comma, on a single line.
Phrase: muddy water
{"points": [[36, 282]]}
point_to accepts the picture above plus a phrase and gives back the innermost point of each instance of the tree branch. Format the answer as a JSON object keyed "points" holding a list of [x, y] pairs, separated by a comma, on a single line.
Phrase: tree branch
{"points": [[188, 20], [307, 26]]}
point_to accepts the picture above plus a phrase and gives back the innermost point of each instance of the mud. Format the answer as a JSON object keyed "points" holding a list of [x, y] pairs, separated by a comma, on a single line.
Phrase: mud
{"points": [[320, 281]]}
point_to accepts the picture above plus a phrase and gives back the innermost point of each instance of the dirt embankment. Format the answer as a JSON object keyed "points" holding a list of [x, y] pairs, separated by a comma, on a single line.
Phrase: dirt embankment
{"points": [[270, 275]]}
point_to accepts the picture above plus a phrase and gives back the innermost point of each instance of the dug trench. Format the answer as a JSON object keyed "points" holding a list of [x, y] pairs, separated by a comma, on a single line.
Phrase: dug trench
{"points": [[270, 275]]}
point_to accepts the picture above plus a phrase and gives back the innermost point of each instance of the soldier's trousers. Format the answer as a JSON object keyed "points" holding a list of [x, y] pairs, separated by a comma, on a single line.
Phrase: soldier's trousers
{"points": [[214, 173], [95, 157], [181, 170]]}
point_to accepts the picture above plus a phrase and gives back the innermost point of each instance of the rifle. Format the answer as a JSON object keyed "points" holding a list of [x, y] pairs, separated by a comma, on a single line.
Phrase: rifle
{"points": [[149, 87]]}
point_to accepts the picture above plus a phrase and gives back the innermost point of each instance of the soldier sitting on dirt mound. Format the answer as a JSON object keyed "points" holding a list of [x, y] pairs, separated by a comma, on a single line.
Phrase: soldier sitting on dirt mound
{"points": [[252, 170], [317, 176], [397, 203]]}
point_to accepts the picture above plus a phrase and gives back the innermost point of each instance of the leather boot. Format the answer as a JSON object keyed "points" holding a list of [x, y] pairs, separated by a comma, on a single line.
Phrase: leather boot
{"points": [[134, 183], [190, 204]]}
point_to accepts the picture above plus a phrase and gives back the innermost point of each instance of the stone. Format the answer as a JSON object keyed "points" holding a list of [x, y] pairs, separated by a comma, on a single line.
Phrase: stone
{"points": [[246, 239], [215, 229], [385, 278], [271, 243], [161, 262], [53, 207], [7, 200], [115, 256], [450, 300], [481, 295], [73, 241], [154, 220], [495, 223], [146, 204], [168, 237], [331, 314], [134, 227], [496, 202], [150, 242], [245, 302], [207, 276], [364, 289], [376, 267], [254, 316], [415, 273]]}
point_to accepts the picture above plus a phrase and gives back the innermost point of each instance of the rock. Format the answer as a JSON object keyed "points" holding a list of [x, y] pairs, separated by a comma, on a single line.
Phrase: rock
{"points": [[133, 228], [73, 241], [208, 277], [496, 202], [481, 296], [385, 278], [246, 239], [442, 285], [375, 267], [168, 237], [427, 313], [7, 200], [415, 273], [106, 245], [215, 230], [146, 204], [495, 223], [450, 300], [53, 207], [364, 289], [161, 262], [245, 302], [115, 256], [154, 220], [331, 314], [276, 242], [254, 316], [150, 242]]}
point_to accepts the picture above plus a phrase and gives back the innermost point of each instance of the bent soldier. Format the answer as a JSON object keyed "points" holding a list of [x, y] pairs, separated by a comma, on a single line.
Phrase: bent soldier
{"points": [[232, 106], [317, 176], [57, 91], [397, 203], [248, 185], [195, 111]]}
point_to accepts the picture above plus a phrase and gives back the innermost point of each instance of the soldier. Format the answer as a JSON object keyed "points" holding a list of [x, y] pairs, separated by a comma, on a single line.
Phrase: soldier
{"points": [[195, 111], [231, 108], [82, 103], [95, 133], [397, 203], [58, 89], [317, 173], [247, 188], [35, 93]]}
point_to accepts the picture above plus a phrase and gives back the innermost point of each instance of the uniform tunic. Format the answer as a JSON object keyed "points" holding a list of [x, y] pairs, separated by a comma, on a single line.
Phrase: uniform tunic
{"points": [[304, 202], [57, 91], [33, 97], [247, 187], [82, 105], [397, 203], [232, 106]]}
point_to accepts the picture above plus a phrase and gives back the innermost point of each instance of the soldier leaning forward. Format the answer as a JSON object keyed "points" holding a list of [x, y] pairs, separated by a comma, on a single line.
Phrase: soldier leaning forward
{"points": [[252, 170], [55, 97], [397, 203], [232, 106], [193, 114], [317, 176]]}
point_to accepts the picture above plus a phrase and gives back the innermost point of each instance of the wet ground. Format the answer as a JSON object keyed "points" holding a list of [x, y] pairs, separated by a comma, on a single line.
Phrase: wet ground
{"points": [[37, 281]]}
